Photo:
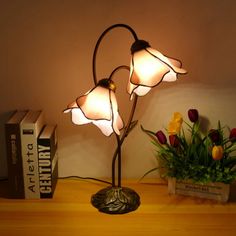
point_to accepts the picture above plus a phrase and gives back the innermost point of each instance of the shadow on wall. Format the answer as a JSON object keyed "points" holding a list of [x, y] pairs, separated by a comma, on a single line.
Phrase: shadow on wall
{"points": [[205, 124], [3, 160]]}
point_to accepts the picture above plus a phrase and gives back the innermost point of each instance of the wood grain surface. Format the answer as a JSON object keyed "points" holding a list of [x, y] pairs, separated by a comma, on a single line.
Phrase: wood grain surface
{"points": [[70, 213]]}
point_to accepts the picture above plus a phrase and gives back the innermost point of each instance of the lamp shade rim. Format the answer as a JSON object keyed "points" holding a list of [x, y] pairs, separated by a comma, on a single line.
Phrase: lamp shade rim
{"points": [[176, 69]]}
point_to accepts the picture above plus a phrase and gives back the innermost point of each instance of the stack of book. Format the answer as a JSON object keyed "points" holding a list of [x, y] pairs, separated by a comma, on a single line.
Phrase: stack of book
{"points": [[31, 147]]}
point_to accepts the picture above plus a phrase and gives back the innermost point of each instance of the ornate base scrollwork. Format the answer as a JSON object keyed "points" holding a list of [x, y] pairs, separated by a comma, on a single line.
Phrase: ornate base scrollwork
{"points": [[116, 200]]}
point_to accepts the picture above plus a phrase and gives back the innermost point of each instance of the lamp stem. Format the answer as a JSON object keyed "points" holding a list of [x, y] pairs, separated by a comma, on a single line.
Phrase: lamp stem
{"points": [[99, 41], [119, 160], [117, 69], [117, 152], [120, 141]]}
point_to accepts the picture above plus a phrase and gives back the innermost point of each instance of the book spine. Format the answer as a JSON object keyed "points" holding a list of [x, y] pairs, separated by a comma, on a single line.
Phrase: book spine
{"points": [[14, 161], [54, 172], [30, 161], [48, 166]]}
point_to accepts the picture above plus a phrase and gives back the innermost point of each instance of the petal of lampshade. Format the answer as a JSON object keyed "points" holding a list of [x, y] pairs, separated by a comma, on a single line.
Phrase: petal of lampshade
{"points": [[70, 106], [138, 89], [148, 68], [117, 122], [174, 64], [78, 117], [105, 126]]}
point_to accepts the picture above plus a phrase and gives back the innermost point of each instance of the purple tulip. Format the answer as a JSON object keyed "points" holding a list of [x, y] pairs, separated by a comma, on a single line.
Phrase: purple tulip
{"points": [[214, 135], [232, 135], [174, 141], [161, 137], [193, 115]]}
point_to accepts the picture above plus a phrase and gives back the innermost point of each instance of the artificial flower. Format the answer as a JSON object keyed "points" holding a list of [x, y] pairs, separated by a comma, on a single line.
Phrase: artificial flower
{"points": [[175, 124], [161, 137], [193, 115], [174, 141], [232, 135], [214, 135], [174, 127], [193, 152], [177, 117], [217, 152]]}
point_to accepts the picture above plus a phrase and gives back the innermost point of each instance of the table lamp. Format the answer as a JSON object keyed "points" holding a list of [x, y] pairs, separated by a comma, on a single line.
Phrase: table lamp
{"points": [[148, 68]]}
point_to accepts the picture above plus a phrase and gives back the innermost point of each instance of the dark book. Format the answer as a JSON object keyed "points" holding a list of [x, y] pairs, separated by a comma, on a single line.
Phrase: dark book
{"points": [[14, 157], [47, 161], [30, 128]]}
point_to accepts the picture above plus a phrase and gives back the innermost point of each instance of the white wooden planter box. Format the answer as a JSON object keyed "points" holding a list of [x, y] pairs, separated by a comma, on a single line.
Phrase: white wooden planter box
{"points": [[215, 191]]}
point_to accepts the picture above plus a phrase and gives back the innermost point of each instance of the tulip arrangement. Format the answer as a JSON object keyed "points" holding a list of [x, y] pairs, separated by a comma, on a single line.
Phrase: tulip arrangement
{"points": [[202, 157]]}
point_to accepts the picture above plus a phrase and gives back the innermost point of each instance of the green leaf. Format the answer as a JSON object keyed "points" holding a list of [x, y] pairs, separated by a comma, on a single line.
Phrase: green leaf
{"points": [[148, 172], [230, 162]]}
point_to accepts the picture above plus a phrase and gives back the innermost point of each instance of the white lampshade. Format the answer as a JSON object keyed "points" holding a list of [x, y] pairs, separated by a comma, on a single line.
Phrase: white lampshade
{"points": [[148, 68], [97, 106]]}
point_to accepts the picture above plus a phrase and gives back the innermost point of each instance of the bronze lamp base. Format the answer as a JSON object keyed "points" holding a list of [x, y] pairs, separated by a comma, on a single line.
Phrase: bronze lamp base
{"points": [[116, 200]]}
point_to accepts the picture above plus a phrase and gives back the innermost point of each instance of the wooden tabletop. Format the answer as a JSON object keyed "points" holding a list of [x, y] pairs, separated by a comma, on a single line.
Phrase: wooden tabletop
{"points": [[70, 213]]}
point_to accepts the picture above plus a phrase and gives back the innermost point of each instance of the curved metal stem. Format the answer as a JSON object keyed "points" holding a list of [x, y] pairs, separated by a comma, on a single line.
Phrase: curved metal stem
{"points": [[120, 141], [118, 152], [99, 41], [117, 69]]}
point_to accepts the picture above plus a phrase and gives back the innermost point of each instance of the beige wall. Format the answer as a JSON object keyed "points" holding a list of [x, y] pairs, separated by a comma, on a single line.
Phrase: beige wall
{"points": [[45, 62]]}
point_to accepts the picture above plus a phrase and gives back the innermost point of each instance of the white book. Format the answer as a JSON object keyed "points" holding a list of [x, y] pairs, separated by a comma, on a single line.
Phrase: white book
{"points": [[30, 129]]}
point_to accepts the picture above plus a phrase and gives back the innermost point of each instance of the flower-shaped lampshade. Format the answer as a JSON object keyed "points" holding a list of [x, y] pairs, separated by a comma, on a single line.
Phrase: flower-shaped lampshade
{"points": [[98, 106], [149, 67]]}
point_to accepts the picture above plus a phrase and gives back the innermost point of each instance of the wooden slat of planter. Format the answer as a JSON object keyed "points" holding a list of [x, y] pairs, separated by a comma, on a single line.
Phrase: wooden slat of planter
{"points": [[215, 191]]}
